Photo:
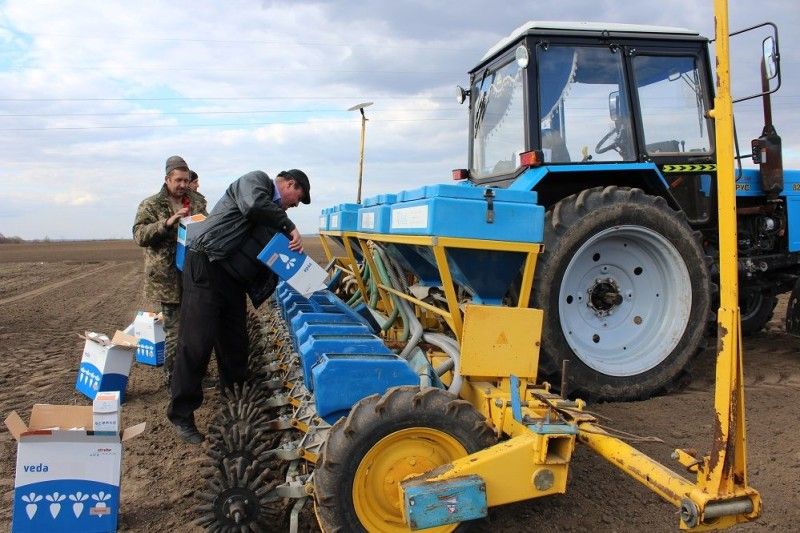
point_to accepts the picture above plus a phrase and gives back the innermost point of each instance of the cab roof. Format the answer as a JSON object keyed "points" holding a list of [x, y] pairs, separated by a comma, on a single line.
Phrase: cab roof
{"points": [[599, 29]]}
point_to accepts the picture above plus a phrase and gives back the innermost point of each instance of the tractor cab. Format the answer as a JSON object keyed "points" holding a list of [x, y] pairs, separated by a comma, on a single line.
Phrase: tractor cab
{"points": [[593, 94]]}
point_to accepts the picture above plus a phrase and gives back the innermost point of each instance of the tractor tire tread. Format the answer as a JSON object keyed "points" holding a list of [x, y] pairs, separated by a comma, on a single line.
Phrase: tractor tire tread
{"points": [[373, 418]]}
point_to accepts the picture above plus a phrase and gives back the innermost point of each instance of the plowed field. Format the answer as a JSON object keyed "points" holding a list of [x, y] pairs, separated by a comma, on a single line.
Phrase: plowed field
{"points": [[51, 292]]}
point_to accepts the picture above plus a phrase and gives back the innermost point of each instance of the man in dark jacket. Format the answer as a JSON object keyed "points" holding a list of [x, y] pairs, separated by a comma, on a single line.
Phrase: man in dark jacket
{"points": [[221, 268], [156, 230]]}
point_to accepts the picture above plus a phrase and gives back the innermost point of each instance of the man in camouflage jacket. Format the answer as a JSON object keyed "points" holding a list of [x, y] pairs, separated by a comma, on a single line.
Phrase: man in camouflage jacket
{"points": [[156, 230]]}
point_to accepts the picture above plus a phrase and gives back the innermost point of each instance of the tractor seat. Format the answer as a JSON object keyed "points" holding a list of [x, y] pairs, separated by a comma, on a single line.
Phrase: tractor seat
{"points": [[664, 147], [552, 140]]}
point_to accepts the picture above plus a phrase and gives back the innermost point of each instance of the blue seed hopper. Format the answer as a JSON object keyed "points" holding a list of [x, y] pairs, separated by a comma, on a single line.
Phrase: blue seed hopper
{"points": [[478, 238]]}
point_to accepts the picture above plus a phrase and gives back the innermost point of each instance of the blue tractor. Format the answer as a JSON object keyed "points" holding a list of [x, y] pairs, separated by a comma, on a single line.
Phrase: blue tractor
{"points": [[609, 125]]}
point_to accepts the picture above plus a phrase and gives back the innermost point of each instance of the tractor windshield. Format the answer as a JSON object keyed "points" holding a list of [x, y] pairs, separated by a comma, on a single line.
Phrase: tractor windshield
{"points": [[672, 104], [498, 121], [583, 108]]}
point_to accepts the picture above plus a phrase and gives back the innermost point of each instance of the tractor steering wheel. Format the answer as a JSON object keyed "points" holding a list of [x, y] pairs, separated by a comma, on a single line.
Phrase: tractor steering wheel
{"points": [[604, 145]]}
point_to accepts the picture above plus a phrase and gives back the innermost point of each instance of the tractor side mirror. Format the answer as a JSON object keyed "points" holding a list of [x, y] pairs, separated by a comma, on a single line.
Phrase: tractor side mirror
{"points": [[613, 106], [461, 94], [771, 64]]}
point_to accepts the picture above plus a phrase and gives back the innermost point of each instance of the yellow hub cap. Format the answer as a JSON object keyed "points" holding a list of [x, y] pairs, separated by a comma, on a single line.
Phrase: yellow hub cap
{"points": [[376, 488]]}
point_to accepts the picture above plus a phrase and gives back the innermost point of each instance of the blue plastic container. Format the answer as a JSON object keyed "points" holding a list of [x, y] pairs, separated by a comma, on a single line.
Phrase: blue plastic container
{"points": [[303, 318], [323, 218], [317, 344], [459, 211], [341, 380], [344, 217], [328, 328], [375, 214]]}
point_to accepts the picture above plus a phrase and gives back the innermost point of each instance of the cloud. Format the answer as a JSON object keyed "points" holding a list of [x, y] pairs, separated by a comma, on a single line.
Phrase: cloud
{"points": [[75, 199], [242, 85]]}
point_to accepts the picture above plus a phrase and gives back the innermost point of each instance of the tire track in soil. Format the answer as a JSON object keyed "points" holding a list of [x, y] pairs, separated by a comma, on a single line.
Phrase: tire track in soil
{"points": [[52, 286], [23, 277], [43, 341]]}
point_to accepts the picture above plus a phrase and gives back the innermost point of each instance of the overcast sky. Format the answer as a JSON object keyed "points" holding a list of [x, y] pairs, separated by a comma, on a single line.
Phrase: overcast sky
{"points": [[95, 95]]}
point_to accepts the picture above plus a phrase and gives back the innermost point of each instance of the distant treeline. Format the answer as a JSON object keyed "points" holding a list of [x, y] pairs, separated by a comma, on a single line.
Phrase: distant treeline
{"points": [[12, 240]]}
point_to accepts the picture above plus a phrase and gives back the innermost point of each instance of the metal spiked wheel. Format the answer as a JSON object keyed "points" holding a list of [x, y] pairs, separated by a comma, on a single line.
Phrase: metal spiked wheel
{"points": [[236, 497]]}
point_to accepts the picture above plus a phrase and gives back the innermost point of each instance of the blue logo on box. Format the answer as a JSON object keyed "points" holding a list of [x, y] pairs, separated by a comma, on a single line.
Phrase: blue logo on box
{"points": [[277, 256], [89, 378], [65, 505], [90, 381], [150, 353]]}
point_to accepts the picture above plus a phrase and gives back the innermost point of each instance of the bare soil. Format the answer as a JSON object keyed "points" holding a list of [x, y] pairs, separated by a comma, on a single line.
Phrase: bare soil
{"points": [[50, 292]]}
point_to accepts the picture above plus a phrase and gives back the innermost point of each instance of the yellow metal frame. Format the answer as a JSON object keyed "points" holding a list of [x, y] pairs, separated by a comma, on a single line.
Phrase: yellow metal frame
{"points": [[529, 464], [510, 334], [348, 263], [453, 315]]}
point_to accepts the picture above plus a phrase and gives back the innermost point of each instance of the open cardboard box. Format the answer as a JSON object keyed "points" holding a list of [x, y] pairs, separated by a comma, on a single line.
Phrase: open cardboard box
{"points": [[148, 331], [66, 479], [105, 363]]}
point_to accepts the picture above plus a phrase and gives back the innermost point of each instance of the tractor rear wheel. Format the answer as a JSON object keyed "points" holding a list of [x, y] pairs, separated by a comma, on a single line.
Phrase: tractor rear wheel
{"points": [[624, 286], [756, 306], [384, 440]]}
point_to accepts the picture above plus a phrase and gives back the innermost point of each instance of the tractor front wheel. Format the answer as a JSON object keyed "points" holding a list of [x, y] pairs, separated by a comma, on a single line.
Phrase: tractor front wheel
{"points": [[384, 440]]}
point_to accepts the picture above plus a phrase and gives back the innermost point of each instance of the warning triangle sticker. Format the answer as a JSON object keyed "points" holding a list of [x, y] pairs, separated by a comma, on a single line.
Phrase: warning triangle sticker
{"points": [[501, 339]]}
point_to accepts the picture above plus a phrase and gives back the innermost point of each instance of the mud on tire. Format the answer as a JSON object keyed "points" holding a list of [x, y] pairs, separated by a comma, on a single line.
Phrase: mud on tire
{"points": [[372, 420], [624, 285]]}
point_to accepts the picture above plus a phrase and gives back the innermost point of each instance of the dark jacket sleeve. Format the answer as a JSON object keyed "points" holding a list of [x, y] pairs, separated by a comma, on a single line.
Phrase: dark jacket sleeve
{"points": [[254, 200], [148, 228]]}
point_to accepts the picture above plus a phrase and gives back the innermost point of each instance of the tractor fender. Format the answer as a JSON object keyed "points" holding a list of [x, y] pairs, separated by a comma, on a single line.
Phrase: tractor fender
{"points": [[555, 182]]}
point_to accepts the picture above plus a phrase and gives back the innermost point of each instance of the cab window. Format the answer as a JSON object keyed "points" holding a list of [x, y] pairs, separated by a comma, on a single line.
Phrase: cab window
{"points": [[672, 105], [583, 110]]}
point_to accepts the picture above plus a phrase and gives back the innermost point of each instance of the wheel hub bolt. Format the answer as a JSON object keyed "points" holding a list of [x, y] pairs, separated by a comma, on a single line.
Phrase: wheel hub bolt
{"points": [[604, 296]]}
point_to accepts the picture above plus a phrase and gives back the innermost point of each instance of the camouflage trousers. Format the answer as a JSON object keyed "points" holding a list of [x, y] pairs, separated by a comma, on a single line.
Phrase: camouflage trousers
{"points": [[171, 314]]}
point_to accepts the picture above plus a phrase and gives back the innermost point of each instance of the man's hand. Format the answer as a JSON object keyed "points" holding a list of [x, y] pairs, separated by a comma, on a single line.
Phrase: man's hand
{"points": [[296, 242], [182, 212]]}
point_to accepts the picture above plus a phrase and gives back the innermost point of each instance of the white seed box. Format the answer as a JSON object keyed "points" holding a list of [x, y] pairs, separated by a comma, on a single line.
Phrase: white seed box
{"points": [[297, 269], [148, 328], [106, 411], [105, 364], [67, 478]]}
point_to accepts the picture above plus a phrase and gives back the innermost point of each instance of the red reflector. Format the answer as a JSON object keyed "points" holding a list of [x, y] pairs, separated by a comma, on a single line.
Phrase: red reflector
{"points": [[534, 158], [460, 174]]}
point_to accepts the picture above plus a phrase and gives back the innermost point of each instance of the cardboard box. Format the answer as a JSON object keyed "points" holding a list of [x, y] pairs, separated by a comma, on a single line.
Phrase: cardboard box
{"points": [[105, 364], [187, 230], [298, 270], [148, 328], [66, 480], [106, 411]]}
